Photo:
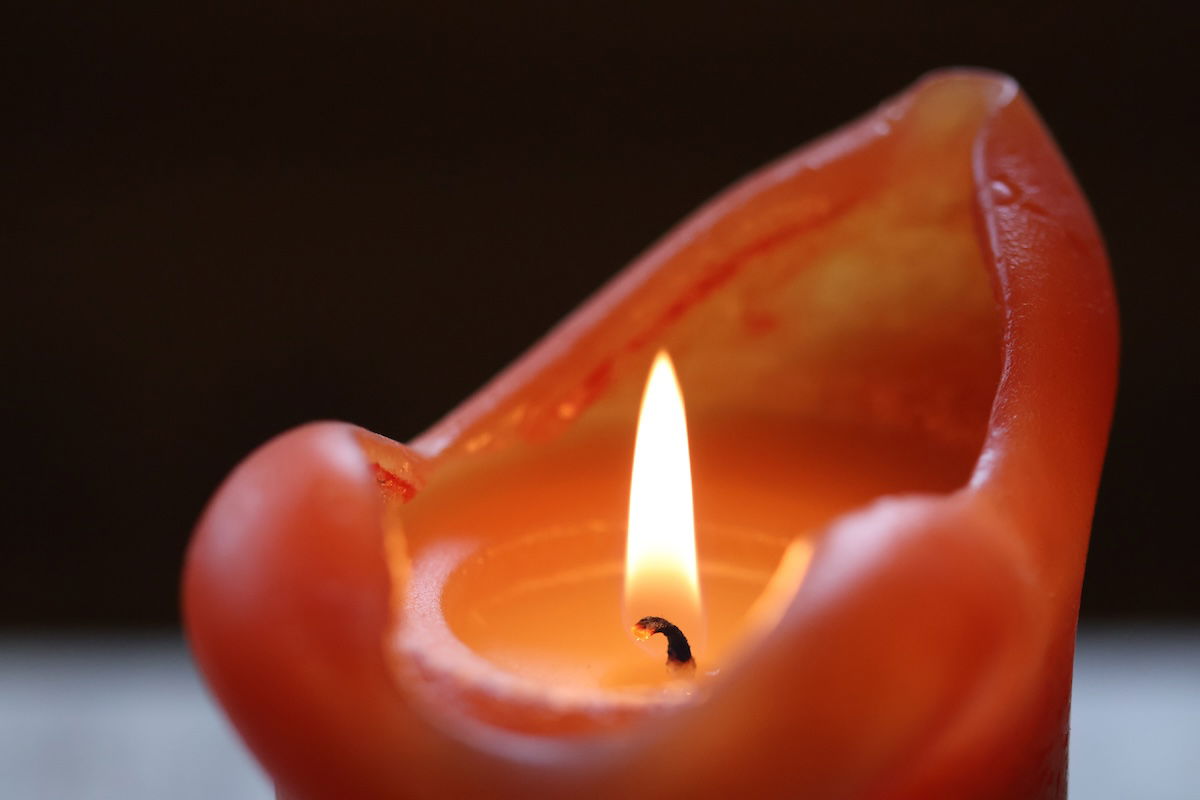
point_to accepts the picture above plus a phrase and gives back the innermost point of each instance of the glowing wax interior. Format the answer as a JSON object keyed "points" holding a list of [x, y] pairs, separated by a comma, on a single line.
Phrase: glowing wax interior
{"points": [[853, 354]]}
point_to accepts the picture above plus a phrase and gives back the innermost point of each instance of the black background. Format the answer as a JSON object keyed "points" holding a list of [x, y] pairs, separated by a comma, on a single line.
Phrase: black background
{"points": [[227, 219]]}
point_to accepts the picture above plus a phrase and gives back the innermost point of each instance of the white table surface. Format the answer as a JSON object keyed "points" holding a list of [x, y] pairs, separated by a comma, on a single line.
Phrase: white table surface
{"points": [[126, 717]]}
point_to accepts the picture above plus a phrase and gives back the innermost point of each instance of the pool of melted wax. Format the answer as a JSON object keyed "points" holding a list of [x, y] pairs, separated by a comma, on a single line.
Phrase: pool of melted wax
{"points": [[548, 607], [538, 589]]}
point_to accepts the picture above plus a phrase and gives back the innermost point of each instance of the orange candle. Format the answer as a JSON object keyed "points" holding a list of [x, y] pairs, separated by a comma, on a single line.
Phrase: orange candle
{"points": [[896, 349]]}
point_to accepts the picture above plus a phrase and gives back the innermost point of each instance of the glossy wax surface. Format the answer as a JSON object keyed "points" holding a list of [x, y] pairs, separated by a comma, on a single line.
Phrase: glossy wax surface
{"points": [[925, 288]]}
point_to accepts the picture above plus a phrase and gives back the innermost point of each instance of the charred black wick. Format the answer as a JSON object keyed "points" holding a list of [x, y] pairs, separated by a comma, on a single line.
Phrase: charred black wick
{"points": [[679, 652]]}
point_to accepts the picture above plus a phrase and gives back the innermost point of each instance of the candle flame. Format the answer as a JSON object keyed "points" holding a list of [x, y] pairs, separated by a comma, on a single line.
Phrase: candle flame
{"points": [[661, 575]]}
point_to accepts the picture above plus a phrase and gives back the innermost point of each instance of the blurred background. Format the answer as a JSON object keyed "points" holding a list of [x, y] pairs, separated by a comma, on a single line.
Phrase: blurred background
{"points": [[227, 219]]}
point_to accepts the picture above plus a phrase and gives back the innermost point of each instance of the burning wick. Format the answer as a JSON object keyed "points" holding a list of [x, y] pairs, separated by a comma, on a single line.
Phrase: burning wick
{"points": [[661, 571], [679, 652]]}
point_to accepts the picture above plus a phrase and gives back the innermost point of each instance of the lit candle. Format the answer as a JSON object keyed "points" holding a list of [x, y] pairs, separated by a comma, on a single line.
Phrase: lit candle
{"points": [[898, 348]]}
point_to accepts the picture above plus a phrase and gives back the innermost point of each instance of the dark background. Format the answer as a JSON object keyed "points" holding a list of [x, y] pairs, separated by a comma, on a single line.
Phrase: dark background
{"points": [[227, 219]]}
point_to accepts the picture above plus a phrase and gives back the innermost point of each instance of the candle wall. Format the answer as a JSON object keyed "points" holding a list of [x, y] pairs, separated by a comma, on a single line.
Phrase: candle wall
{"points": [[916, 309]]}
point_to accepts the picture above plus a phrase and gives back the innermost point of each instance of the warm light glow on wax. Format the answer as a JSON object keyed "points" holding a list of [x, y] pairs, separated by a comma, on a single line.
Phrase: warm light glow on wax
{"points": [[661, 574]]}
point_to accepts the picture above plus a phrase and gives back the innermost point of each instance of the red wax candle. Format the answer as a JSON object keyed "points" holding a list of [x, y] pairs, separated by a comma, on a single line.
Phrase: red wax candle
{"points": [[898, 349]]}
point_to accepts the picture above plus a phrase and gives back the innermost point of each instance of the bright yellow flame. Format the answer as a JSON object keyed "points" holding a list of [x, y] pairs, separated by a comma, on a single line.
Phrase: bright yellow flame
{"points": [[661, 576]]}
